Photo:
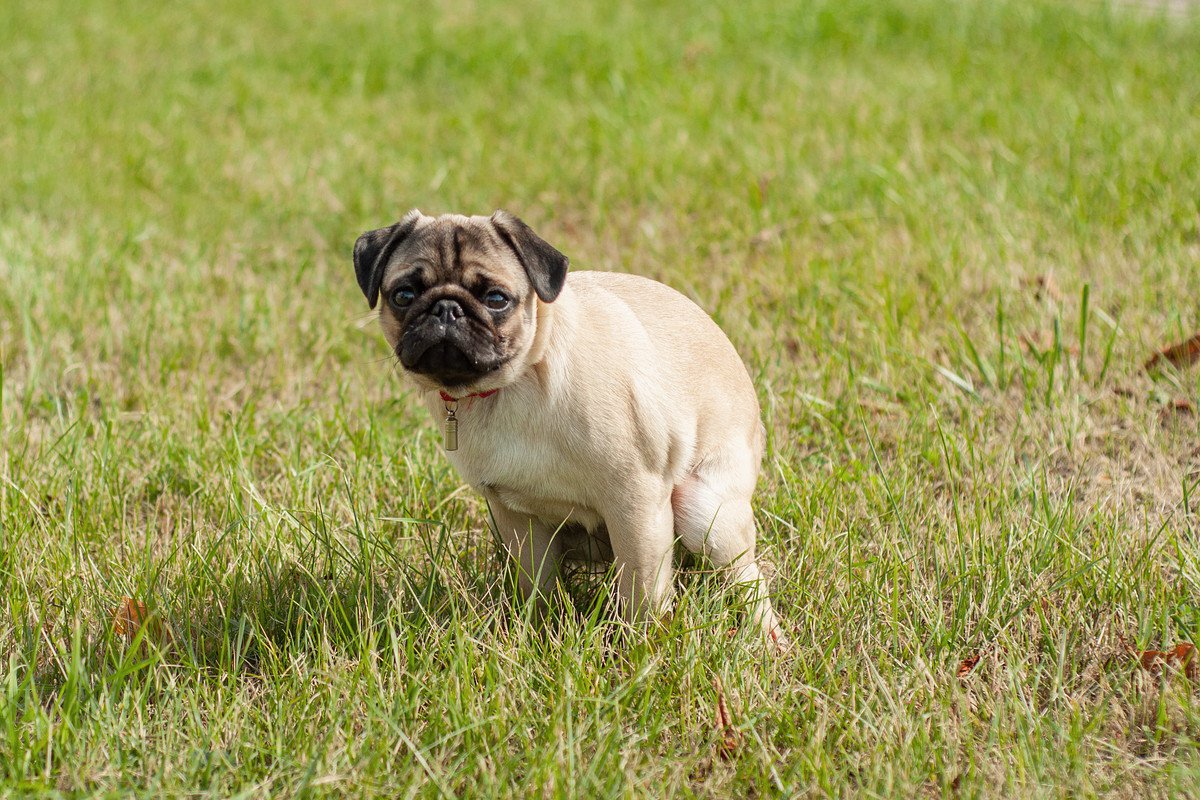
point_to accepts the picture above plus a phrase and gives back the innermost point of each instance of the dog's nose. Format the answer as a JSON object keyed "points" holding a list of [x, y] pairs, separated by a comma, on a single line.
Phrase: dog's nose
{"points": [[447, 310]]}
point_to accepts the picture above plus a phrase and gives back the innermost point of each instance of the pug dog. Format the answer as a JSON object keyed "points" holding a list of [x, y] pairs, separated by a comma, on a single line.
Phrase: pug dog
{"points": [[599, 402]]}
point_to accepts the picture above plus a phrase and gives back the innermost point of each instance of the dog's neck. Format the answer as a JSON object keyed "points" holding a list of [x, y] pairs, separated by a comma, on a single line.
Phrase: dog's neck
{"points": [[545, 314], [449, 398]]}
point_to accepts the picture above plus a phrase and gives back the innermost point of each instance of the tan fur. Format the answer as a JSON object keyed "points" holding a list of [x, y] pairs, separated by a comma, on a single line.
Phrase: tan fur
{"points": [[625, 410]]}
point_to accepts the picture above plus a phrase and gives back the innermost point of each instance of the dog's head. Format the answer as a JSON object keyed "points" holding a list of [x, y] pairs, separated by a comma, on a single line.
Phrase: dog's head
{"points": [[459, 295]]}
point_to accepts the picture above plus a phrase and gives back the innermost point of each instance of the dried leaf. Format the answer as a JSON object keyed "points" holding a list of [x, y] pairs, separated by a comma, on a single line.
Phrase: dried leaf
{"points": [[1185, 654], [1182, 656], [731, 740], [131, 616], [1179, 355], [1180, 406], [1153, 660], [967, 664]]}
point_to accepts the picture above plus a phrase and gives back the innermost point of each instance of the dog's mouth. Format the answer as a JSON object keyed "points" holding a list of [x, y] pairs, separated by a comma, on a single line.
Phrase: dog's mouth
{"points": [[447, 354]]}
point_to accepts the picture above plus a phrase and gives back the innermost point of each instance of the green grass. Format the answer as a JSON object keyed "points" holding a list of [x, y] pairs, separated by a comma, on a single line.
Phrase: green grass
{"points": [[198, 412]]}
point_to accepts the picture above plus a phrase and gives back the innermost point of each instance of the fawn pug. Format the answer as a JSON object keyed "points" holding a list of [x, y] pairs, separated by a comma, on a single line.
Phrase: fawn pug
{"points": [[596, 400]]}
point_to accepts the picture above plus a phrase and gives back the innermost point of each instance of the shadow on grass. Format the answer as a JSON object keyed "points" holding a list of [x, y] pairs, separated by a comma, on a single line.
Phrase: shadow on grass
{"points": [[355, 603], [264, 616]]}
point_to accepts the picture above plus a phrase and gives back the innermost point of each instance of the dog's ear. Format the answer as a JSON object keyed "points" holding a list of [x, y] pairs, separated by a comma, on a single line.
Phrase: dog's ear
{"points": [[545, 266], [374, 249]]}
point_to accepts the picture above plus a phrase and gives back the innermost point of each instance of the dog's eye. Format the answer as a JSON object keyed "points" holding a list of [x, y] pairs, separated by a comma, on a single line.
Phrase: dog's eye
{"points": [[403, 296], [496, 300]]}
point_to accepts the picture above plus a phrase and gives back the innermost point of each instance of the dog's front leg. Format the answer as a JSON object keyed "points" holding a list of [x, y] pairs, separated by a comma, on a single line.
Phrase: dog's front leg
{"points": [[531, 545], [643, 541]]}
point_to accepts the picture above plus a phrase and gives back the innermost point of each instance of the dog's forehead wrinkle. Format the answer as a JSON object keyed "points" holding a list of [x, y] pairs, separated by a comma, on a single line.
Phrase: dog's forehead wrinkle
{"points": [[417, 251], [404, 270], [459, 249]]}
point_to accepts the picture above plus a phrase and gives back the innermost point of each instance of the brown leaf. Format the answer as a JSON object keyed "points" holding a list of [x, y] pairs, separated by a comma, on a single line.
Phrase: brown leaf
{"points": [[1182, 656], [967, 664], [1153, 660], [731, 740], [1185, 653], [1181, 406], [131, 616], [1179, 355]]}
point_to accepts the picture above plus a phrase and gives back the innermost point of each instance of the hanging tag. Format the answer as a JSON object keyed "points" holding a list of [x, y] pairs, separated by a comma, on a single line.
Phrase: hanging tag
{"points": [[450, 430]]}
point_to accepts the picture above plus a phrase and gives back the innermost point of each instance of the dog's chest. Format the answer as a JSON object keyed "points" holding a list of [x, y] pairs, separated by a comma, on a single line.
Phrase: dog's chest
{"points": [[528, 469], [554, 511]]}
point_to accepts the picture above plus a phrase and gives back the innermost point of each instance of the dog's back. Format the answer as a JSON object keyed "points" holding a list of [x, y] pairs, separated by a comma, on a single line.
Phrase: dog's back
{"points": [[695, 357]]}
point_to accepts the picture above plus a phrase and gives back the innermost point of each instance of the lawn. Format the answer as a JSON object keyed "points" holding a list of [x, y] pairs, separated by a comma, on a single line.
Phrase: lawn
{"points": [[945, 237]]}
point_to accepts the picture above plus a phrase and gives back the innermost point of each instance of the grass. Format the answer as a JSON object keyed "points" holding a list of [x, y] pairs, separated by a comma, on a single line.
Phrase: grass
{"points": [[944, 237]]}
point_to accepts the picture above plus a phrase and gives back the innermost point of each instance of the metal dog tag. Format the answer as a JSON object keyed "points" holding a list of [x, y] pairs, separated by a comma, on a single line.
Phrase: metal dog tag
{"points": [[450, 431]]}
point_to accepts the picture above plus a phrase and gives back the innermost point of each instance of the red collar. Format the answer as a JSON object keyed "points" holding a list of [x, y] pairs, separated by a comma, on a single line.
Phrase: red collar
{"points": [[448, 399]]}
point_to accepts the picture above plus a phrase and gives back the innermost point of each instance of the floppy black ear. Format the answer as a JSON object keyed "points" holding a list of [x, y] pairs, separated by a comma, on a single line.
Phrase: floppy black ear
{"points": [[374, 249], [545, 266]]}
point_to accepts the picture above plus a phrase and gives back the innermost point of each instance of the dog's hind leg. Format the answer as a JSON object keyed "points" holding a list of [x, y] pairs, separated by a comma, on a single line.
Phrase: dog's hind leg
{"points": [[713, 518]]}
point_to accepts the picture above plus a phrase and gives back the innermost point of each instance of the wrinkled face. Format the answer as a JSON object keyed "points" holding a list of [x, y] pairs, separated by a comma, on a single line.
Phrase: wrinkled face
{"points": [[456, 304], [459, 303]]}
